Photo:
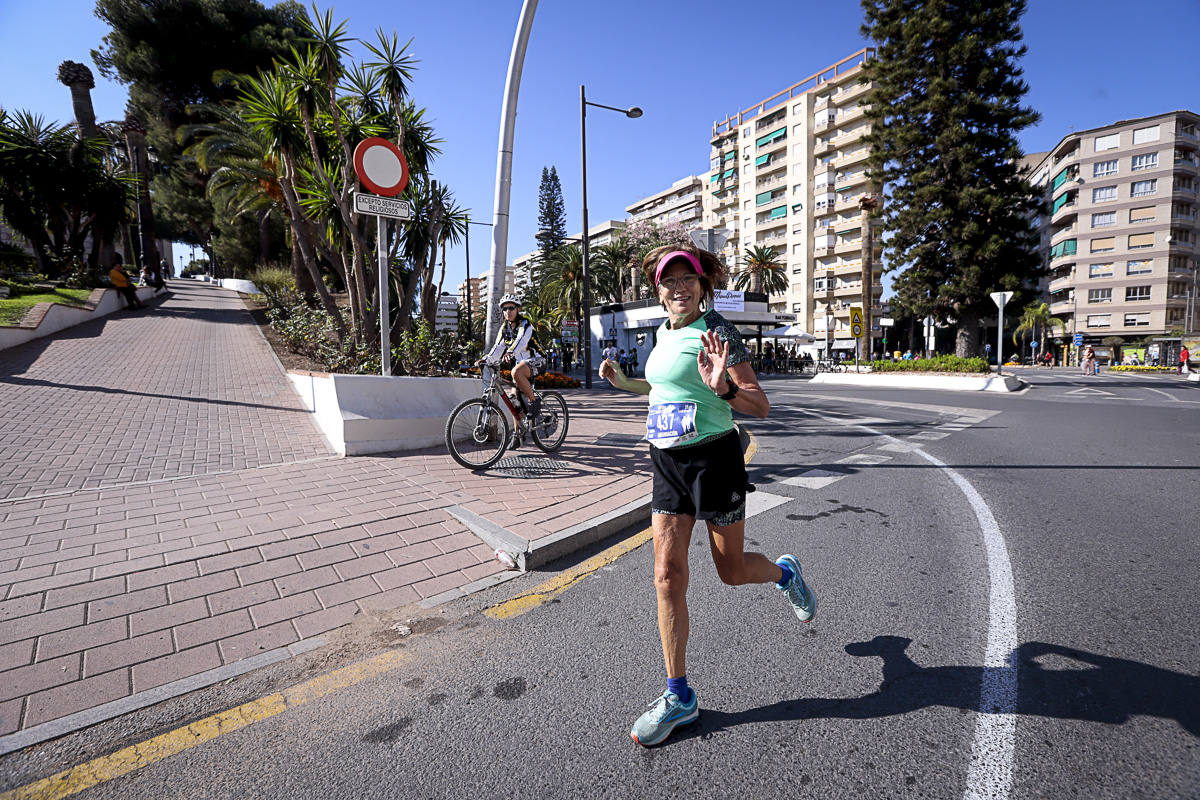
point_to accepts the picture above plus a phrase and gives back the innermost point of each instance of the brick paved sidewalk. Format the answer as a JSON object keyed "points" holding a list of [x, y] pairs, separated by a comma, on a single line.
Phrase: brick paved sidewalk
{"points": [[109, 592]]}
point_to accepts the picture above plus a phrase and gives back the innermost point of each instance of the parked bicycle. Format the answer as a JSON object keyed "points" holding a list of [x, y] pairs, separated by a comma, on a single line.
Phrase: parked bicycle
{"points": [[478, 432], [829, 365]]}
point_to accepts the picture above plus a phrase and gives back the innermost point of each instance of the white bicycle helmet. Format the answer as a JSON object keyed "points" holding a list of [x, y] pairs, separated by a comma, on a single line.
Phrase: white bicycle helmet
{"points": [[510, 298]]}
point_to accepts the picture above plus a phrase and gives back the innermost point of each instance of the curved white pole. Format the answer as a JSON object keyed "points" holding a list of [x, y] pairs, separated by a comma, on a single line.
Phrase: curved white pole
{"points": [[508, 123]]}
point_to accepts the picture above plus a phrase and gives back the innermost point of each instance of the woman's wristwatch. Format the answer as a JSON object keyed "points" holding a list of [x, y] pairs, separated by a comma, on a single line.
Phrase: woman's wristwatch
{"points": [[732, 393]]}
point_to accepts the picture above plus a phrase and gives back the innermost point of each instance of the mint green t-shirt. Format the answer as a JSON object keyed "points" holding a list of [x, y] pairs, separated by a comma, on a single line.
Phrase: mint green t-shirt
{"points": [[683, 410]]}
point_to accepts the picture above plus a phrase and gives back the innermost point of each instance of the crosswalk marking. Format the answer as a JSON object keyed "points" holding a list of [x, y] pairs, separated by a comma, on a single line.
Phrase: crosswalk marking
{"points": [[759, 501], [819, 478]]}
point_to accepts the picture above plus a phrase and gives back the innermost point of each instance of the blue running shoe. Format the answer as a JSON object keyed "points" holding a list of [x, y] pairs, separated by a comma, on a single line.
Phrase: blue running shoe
{"points": [[797, 591], [664, 715]]}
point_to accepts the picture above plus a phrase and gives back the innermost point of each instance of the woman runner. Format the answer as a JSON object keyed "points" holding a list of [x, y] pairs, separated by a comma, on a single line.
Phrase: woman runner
{"points": [[697, 373]]}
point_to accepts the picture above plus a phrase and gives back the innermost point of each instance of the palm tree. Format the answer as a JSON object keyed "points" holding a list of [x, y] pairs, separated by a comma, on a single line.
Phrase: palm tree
{"points": [[609, 269], [270, 107], [563, 282], [1035, 316], [761, 271]]}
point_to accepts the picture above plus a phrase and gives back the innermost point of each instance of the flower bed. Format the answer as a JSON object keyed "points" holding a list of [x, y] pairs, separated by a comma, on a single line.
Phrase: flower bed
{"points": [[1140, 368], [942, 364]]}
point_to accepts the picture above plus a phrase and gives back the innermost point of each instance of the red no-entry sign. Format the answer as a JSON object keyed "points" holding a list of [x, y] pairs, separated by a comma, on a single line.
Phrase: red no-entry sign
{"points": [[380, 166]]}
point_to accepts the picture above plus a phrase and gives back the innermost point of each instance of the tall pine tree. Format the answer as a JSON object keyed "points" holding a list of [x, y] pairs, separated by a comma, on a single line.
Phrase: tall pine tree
{"points": [[945, 108], [552, 218]]}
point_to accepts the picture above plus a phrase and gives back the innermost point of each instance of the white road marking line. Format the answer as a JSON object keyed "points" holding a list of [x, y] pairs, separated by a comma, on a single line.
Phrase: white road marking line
{"points": [[928, 436], [759, 501], [814, 479], [820, 478], [1090, 392], [1160, 391], [900, 447], [976, 414], [989, 774]]}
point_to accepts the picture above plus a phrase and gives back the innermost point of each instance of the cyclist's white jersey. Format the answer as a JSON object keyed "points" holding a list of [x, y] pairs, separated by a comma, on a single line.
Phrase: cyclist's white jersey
{"points": [[517, 340]]}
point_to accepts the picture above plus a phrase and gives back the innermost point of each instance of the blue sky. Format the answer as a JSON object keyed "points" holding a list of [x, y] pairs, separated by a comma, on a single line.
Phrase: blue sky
{"points": [[1090, 63]]}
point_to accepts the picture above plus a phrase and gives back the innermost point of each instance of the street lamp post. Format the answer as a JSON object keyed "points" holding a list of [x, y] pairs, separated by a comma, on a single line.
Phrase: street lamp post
{"points": [[633, 113], [828, 331]]}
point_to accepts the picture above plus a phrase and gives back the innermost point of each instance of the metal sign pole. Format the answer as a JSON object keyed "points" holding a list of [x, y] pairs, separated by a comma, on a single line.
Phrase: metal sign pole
{"points": [[385, 332]]}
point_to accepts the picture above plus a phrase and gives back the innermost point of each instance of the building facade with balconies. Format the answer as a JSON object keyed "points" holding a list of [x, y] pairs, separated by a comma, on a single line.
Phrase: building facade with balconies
{"points": [[680, 203], [789, 173], [1121, 238]]}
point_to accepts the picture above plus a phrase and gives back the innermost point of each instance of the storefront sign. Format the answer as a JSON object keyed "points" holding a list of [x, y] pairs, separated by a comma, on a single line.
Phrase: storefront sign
{"points": [[729, 300]]}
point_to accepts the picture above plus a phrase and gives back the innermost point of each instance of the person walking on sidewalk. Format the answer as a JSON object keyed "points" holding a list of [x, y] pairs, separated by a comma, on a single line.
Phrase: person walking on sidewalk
{"points": [[123, 284], [1184, 356], [697, 373]]}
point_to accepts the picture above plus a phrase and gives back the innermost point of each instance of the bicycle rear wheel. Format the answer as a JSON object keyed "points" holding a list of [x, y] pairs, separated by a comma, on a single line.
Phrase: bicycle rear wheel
{"points": [[550, 428], [477, 434]]}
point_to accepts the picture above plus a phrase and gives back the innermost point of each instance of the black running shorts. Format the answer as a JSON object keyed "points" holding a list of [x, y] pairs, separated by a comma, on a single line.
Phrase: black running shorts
{"points": [[707, 481]]}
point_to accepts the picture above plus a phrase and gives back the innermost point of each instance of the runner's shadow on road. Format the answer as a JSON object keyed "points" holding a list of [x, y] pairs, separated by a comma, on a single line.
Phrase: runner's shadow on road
{"points": [[1053, 681]]}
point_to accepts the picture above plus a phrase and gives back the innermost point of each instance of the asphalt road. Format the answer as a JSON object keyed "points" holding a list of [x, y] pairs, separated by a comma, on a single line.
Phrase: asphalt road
{"points": [[1091, 483]]}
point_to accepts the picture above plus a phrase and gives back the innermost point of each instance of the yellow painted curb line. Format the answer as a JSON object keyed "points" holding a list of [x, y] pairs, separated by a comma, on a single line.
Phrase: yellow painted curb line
{"points": [[143, 754], [546, 591]]}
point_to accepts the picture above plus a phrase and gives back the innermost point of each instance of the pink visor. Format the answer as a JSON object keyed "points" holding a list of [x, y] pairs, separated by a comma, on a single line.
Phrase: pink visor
{"points": [[671, 256]]}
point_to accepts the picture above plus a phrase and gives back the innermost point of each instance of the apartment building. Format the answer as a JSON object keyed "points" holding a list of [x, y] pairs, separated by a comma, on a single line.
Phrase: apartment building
{"points": [[522, 266], [789, 173], [1121, 239], [682, 202]]}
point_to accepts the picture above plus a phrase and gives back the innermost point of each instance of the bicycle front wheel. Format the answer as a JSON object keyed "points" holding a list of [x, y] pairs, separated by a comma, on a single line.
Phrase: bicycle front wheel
{"points": [[550, 428], [477, 434]]}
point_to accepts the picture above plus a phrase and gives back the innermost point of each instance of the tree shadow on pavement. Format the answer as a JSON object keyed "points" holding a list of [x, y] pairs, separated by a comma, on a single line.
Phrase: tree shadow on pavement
{"points": [[37, 382], [1074, 684]]}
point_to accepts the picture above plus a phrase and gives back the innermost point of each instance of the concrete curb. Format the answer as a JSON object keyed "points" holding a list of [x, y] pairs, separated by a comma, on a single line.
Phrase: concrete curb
{"points": [[951, 383], [134, 702], [530, 555]]}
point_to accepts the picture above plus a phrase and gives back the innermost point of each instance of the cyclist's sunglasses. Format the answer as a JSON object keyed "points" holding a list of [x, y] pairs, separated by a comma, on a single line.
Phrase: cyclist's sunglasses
{"points": [[509, 308]]}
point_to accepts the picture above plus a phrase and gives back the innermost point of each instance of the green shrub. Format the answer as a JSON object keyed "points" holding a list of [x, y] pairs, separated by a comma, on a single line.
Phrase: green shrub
{"points": [[277, 286], [935, 364], [423, 352]]}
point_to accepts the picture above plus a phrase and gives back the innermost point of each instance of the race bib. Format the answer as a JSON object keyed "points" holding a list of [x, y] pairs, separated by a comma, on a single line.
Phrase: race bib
{"points": [[669, 424]]}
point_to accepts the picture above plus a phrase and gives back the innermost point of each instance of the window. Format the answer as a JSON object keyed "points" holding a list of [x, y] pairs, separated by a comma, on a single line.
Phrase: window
{"points": [[1137, 320], [819, 284], [1143, 135], [1102, 168], [1103, 194], [1143, 188], [798, 250], [1099, 295], [1139, 241], [1144, 161], [1104, 244], [1143, 214], [1104, 220], [797, 306], [1136, 293], [1099, 320], [1100, 270], [1109, 142]]}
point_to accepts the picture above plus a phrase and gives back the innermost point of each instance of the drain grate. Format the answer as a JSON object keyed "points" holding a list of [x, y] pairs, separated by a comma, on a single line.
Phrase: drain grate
{"points": [[530, 466], [621, 439]]}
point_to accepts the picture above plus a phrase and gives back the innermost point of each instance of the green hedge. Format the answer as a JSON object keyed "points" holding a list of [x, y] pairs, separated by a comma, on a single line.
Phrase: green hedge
{"points": [[935, 364]]}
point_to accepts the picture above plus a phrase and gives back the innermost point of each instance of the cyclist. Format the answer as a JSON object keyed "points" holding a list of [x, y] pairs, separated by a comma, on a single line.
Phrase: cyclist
{"points": [[516, 347]]}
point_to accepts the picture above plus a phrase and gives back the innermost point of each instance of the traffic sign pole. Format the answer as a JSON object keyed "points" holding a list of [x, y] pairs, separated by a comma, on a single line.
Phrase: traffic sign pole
{"points": [[1000, 299], [385, 330]]}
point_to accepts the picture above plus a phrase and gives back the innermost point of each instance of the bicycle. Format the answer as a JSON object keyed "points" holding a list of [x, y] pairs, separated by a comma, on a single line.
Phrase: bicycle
{"points": [[829, 365], [478, 432]]}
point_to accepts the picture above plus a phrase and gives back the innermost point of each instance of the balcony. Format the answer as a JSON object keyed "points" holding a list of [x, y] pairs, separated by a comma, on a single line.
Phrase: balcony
{"points": [[853, 92], [825, 200], [824, 178], [1060, 284], [1060, 307], [824, 147], [852, 223], [848, 179], [850, 114], [1059, 234], [854, 157], [848, 246], [824, 121], [848, 290]]}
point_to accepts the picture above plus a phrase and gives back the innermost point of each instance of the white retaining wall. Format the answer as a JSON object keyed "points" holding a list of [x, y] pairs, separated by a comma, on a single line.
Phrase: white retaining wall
{"points": [[361, 414], [60, 317]]}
